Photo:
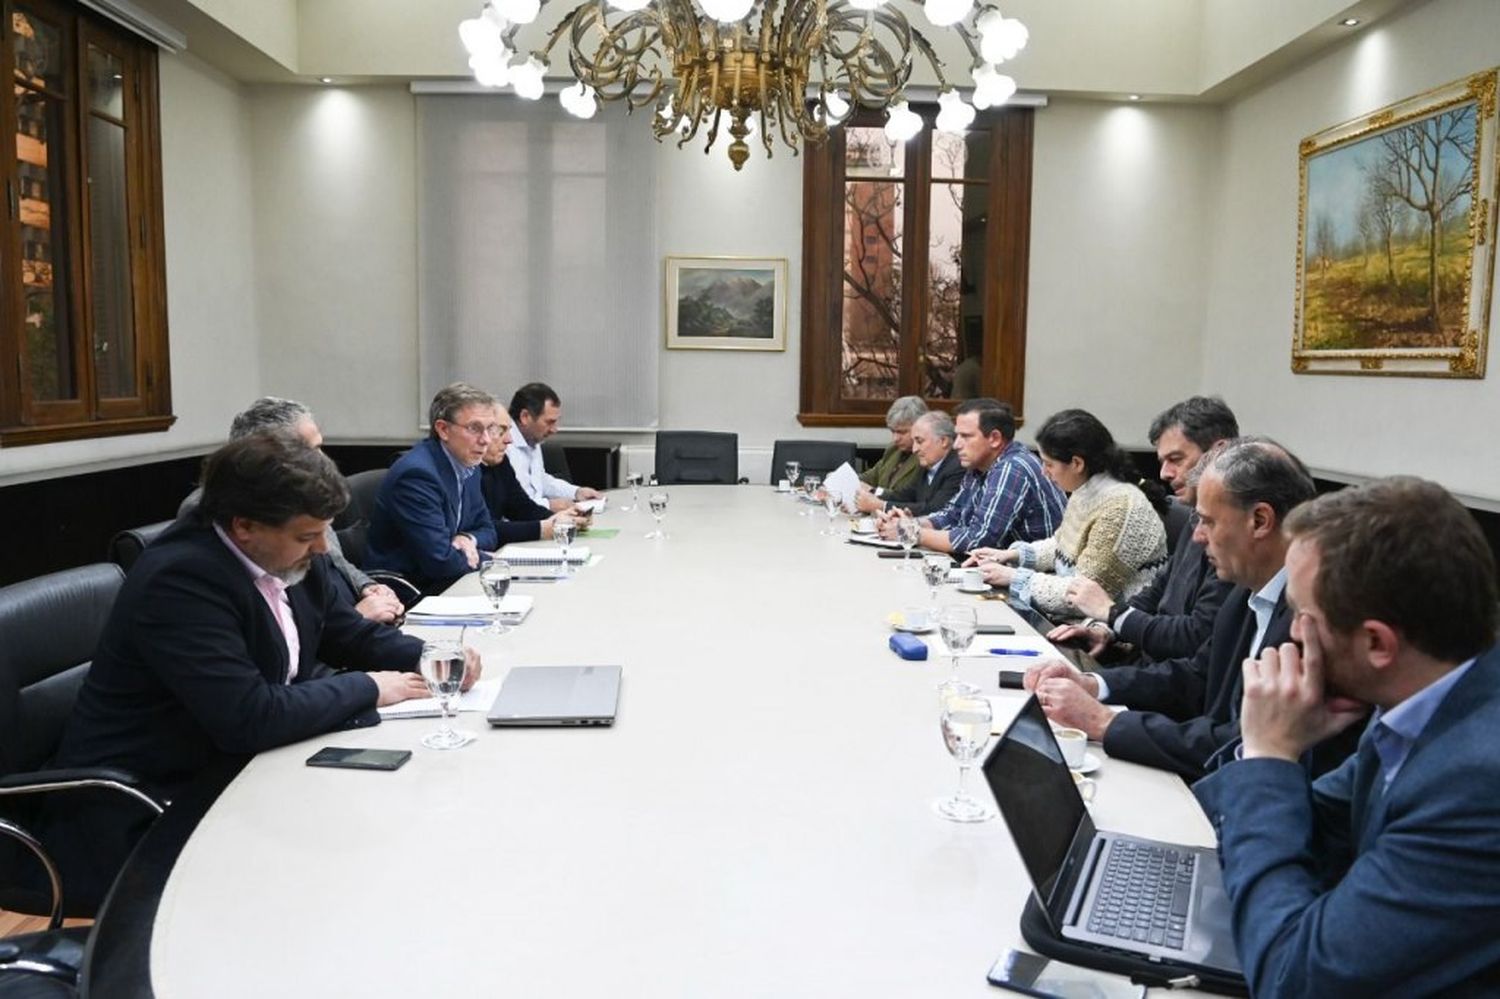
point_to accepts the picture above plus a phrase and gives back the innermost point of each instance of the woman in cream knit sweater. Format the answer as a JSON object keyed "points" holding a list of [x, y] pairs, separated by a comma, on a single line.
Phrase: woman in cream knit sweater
{"points": [[1111, 530]]}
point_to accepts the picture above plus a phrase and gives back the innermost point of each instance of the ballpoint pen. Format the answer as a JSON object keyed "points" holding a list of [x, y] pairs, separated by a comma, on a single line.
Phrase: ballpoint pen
{"points": [[1014, 652]]}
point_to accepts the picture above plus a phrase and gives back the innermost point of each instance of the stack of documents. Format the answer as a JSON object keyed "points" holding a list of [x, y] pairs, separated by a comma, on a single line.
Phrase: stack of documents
{"points": [[477, 698], [469, 610], [544, 555]]}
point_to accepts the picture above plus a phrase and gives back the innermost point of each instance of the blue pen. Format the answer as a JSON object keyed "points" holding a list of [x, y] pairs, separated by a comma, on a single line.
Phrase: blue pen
{"points": [[1014, 652]]}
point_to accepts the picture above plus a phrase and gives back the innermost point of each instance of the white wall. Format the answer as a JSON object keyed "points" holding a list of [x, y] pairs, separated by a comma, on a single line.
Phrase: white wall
{"points": [[1119, 233], [335, 247], [210, 279], [1360, 425]]}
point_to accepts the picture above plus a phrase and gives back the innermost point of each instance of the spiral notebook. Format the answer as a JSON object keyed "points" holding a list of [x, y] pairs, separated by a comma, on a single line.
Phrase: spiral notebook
{"points": [[465, 610], [545, 555]]}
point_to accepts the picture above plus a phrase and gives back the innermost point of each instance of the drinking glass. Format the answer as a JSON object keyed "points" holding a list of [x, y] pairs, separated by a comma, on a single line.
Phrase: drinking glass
{"points": [[965, 725], [658, 503], [833, 507], [633, 480], [793, 470], [563, 532], [957, 625], [810, 486], [935, 574], [908, 532], [442, 667], [494, 579]]}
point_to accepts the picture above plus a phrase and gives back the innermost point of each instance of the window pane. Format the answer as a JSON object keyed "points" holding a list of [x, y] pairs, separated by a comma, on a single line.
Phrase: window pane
{"points": [[961, 157], [49, 344], [39, 51], [955, 280], [868, 153], [873, 212], [106, 82], [109, 251]]}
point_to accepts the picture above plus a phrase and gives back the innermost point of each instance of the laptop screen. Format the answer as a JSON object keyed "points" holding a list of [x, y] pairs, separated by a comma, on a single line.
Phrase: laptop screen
{"points": [[1036, 795]]}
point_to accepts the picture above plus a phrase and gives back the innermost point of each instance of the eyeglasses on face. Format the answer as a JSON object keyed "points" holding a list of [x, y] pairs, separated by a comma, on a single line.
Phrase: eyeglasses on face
{"points": [[479, 430]]}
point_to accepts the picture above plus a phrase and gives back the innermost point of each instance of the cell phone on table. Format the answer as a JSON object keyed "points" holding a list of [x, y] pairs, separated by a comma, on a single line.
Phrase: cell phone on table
{"points": [[359, 759], [995, 628], [1011, 679], [896, 553], [1030, 975]]}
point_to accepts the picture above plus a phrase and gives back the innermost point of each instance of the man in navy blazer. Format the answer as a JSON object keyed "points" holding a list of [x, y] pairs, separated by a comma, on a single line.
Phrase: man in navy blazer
{"points": [[1382, 877], [941, 472], [430, 521], [212, 648]]}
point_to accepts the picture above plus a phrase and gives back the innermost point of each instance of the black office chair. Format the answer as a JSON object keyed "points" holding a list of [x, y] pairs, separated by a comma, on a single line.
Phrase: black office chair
{"points": [[555, 459], [697, 457], [126, 547], [816, 457], [51, 626], [363, 488]]}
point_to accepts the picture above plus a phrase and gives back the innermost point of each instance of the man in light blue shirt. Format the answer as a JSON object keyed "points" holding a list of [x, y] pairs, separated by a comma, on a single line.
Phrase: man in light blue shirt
{"points": [[535, 410], [1383, 876]]}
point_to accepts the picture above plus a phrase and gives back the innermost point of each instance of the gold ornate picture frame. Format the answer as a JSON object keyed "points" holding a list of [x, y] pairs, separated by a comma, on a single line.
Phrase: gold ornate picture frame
{"points": [[726, 303], [1396, 222]]}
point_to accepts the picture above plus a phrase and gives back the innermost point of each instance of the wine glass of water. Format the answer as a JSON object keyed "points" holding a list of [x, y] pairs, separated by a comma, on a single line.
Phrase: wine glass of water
{"points": [[793, 471], [965, 724], [833, 506], [935, 574], [957, 625], [810, 486], [564, 530], [633, 480], [494, 580], [908, 532], [443, 668], [658, 502]]}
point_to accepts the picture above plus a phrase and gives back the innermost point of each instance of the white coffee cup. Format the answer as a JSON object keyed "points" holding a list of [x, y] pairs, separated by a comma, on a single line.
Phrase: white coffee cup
{"points": [[972, 579], [865, 525], [1086, 786], [916, 618], [1073, 743], [784, 486]]}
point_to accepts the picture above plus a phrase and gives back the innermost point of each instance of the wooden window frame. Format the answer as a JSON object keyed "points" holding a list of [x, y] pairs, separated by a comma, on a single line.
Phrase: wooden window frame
{"points": [[1006, 263], [24, 420]]}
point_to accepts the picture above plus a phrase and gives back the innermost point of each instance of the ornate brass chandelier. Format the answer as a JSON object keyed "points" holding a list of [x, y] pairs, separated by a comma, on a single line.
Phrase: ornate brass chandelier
{"points": [[789, 68]]}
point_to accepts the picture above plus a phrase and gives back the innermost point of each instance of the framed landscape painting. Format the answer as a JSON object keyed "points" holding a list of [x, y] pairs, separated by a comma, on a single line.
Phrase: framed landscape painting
{"points": [[1396, 238], [726, 303]]}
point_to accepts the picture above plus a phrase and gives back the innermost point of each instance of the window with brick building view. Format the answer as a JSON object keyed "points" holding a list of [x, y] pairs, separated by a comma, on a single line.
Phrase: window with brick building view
{"points": [[83, 348], [914, 266]]}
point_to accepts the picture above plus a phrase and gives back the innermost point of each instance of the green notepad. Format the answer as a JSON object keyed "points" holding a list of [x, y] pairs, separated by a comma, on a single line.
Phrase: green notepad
{"points": [[600, 532]]}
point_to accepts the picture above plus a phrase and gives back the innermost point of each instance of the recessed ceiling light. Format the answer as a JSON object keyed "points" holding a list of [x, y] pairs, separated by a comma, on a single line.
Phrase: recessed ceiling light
{"points": [[1135, 97], [1349, 22], [325, 79]]}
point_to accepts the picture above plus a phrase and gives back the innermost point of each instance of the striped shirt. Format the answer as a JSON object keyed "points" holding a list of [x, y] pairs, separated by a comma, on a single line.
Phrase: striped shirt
{"points": [[1013, 501]]}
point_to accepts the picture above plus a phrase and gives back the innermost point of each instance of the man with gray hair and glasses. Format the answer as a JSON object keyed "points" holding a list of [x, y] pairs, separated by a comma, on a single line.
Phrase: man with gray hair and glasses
{"points": [[1184, 711], [898, 467], [430, 521], [941, 473], [373, 600]]}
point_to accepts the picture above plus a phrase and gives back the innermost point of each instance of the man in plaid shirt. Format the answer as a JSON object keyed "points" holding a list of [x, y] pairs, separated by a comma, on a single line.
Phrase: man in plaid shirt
{"points": [[1004, 497]]}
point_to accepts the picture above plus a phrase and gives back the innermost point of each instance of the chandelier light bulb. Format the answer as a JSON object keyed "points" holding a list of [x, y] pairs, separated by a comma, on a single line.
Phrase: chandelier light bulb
{"points": [[902, 123], [578, 100], [727, 11], [835, 108], [944, 13], [493, 16], [953, 115], [480, 37], [518, 11], [527, 79], [991, 89], [491, 70], [1000, 38]]}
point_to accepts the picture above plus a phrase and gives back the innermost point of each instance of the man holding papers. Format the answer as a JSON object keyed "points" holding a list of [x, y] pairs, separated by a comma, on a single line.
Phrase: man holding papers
{"points": [[211, 649]]}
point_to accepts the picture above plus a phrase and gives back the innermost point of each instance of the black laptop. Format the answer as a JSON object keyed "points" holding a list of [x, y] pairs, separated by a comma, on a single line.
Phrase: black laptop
{"points": [[1163, 902]]}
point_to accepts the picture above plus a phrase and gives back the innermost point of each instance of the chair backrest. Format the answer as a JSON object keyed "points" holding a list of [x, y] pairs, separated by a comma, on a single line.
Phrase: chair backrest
{"points": [[51, 626], [697, 457], [1174, 520], [816, 457], [555, 459], [126, 547], [363, 488]]}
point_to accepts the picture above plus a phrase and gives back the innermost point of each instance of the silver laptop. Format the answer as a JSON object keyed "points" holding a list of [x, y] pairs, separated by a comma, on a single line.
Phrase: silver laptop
{"points": [[1161, 901], [557, 695]]}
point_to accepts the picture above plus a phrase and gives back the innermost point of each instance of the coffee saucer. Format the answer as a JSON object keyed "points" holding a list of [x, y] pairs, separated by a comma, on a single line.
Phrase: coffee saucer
{"points": [[1089, 765], [982, 588], [924, 630]]}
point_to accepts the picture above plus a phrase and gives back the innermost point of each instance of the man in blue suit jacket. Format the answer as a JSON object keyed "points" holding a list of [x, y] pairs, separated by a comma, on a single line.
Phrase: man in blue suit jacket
{"points": [[1382, 877], [430, 521]]}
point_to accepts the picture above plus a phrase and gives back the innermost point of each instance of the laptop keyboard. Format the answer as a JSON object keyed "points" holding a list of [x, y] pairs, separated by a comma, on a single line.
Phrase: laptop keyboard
{"points": [[1143, 894]]}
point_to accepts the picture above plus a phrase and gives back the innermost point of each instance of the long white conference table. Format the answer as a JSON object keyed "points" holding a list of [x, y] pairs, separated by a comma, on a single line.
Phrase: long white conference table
{"points": [[758, 821]]}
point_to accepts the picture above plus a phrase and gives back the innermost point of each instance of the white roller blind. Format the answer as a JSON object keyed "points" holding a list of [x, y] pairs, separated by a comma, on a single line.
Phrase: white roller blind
{"points": [[536, 255]]}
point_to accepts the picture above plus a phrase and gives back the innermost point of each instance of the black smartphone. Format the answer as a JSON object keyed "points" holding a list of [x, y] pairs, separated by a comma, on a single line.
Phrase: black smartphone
{"points": [[995, 629], [1010, 679], [1037, 976], [359, 759], [896, 553]]}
